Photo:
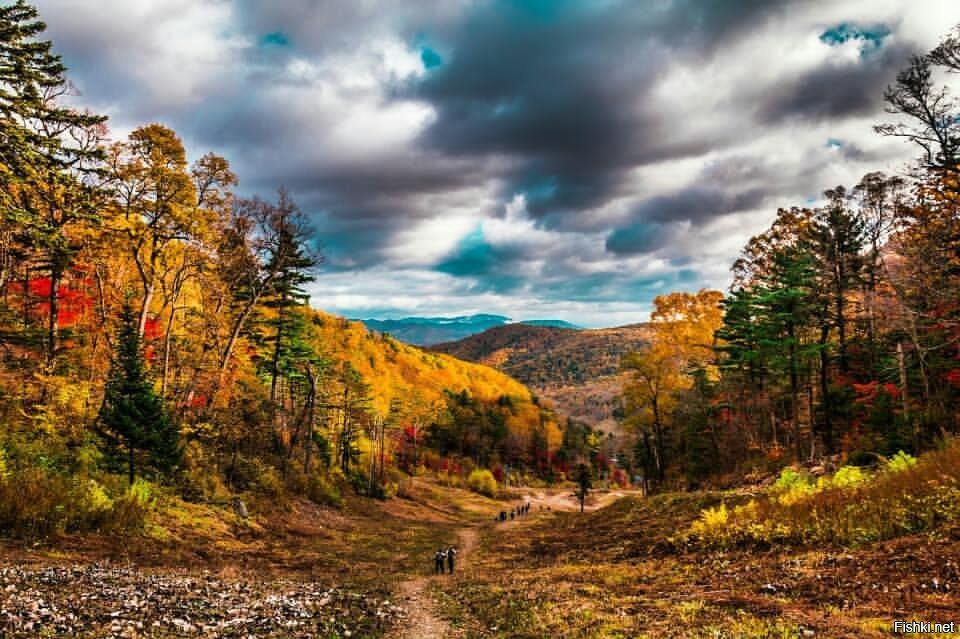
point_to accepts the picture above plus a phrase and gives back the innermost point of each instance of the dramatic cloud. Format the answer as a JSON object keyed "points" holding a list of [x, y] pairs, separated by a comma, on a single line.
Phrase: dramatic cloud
{"points": [[564, 158]]}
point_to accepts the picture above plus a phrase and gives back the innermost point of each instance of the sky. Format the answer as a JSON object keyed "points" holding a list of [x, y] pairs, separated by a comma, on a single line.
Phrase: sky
{"points": [[535, 159]]}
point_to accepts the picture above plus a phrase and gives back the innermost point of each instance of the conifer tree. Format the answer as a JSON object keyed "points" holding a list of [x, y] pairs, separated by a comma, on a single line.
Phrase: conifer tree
{"points": [[49, 156], [132, 412]]}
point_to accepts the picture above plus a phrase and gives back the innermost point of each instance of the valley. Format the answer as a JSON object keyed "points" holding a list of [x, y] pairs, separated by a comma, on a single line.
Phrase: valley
{"points": [[576, 370], [196, 441], [364, 571]]}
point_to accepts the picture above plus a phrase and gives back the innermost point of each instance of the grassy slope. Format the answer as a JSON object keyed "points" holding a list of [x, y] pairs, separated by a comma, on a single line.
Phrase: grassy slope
{"points": [[294, 538], [611, 574]]}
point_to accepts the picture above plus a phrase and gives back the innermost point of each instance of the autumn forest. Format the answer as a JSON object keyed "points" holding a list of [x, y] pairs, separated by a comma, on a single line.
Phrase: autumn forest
{"points": [[171, 395]]}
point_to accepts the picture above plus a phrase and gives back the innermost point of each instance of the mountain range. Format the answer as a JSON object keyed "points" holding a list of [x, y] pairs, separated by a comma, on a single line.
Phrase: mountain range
{"points": [[426, 331]]}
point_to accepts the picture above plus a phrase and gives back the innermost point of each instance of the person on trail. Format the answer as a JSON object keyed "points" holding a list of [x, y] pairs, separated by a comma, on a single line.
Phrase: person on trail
{"points": [[451, 558], [511, 515], [438, 560]]}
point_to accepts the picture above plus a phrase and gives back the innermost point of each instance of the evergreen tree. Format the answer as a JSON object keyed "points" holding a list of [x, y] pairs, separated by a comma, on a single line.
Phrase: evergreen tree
{"points": [[132, 412], [48, 156], [32, 123]]}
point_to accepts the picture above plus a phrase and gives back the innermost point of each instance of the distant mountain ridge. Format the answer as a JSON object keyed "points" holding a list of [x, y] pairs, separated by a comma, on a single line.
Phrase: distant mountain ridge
{"points": [[427, 331], [577, 370]]}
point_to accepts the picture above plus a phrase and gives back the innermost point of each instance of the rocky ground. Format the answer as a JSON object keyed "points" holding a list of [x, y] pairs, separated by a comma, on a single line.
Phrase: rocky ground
{"points": [[101, 601]]}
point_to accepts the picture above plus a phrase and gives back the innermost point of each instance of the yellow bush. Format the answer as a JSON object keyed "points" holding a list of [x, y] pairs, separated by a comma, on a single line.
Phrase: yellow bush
{"points": [[712, 521], [483, 482]]}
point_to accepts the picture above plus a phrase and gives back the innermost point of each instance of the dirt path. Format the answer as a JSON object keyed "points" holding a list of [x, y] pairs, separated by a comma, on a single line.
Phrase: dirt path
{"points": [[567, 501], [422, 621]]}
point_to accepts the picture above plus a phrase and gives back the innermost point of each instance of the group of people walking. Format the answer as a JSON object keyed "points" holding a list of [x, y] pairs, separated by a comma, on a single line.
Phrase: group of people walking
{"points": [[445, 560], [448, 557], [519, 511]]}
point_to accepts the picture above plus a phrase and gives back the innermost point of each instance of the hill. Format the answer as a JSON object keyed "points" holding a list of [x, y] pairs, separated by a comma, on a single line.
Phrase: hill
{"points": [[577, 370], [397, 370]]}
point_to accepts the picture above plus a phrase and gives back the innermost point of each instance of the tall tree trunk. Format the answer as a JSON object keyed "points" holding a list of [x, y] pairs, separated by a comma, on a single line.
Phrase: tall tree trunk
{"points": [[841, 320], [235, 331], [166, 349], [53, 329], [794, 391], [904, 396], [130, 462], [311, 419], [148, 290], [825, 391], [658, 435]]}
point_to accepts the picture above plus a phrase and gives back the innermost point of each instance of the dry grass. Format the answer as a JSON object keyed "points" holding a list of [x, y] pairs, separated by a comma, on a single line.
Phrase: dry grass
{"points": [[613, 573], [848, 510]]}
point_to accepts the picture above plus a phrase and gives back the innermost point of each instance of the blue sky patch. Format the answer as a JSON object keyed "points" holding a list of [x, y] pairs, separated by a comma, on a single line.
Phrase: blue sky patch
{"points": [[871, 37], [275, 39], [473, 256], [430, 58]]}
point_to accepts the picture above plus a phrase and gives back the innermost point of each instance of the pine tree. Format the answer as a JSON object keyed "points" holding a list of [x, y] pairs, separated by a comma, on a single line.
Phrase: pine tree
{"points": [[49, 155], [132, 411]]}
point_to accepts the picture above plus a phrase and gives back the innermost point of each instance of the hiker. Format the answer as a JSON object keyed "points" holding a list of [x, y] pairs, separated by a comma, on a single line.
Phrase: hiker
{"points": [[511, 515], [451, 557], [503, 515], [438, 559]]}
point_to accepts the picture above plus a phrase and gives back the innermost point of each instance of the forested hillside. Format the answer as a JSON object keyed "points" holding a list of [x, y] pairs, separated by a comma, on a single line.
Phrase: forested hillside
{"points": [[840, 336], [578, 371]]}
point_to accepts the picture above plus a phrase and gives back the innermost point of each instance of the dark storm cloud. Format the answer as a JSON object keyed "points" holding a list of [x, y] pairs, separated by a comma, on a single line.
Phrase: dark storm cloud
{"points": [[656, 219], [563, 84], [594, 111], [834, 91]]}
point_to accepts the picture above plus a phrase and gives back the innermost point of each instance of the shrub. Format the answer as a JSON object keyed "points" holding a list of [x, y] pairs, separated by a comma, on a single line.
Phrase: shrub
{"points": [[324, 492], [129, 511], [851, 509], [848, 476], [38, 504], [482, 481], [900, 462], [792, 487]]}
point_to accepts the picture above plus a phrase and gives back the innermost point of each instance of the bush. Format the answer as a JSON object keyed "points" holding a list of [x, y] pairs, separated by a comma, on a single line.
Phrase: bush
{"points": [[38, 504], [130, 510], [322, 491], [483, 482], [900, 462], [852, 508], [848, 476]]}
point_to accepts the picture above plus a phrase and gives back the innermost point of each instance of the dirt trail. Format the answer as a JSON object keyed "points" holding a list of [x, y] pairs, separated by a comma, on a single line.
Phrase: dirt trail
{"points": [[567, 501], [422, 621]]}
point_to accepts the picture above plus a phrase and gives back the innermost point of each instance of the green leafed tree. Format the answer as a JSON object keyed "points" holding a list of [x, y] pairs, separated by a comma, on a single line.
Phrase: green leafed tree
{"points": [[133, 414]]}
